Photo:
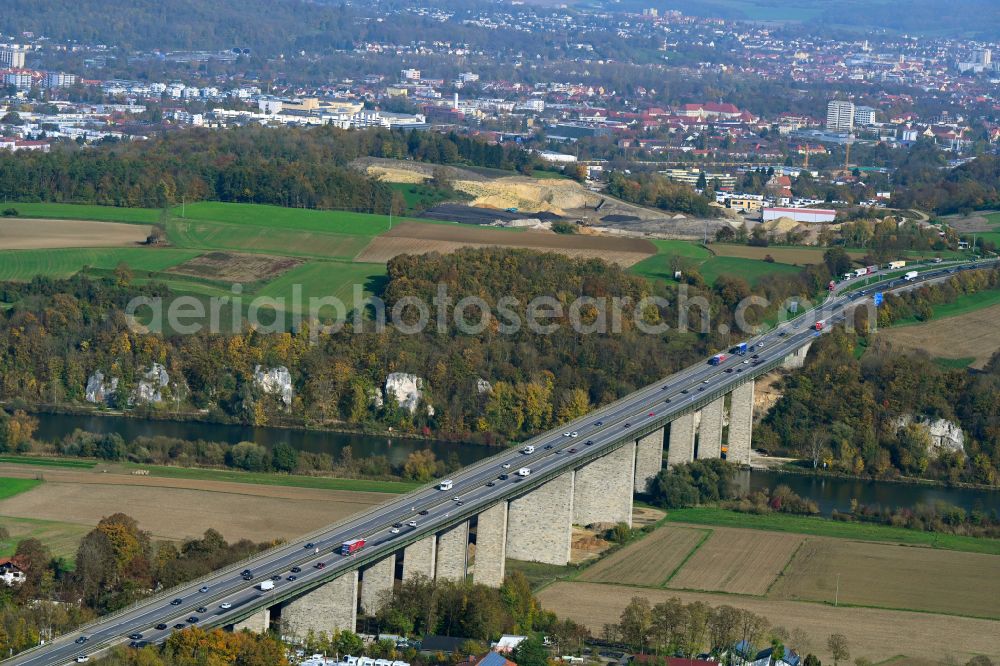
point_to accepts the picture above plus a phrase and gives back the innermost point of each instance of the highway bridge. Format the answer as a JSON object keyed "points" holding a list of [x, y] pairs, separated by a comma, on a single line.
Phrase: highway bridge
{"points": [[584, 472]]}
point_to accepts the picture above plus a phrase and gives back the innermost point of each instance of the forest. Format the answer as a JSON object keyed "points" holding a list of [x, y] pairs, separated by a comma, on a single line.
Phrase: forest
{"points": [[292, 167], [974, 185], [57, 333], [854, 415]]}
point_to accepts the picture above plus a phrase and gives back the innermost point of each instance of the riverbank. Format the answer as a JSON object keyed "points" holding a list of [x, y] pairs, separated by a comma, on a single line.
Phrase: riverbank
{"points": [[44, 464]]}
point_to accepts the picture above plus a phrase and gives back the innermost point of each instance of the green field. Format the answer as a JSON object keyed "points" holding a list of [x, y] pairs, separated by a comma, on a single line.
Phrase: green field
{"points": [[62, 539], [777, 522], [86, 212], [10, 487], [48, 462], [751, 270], [270, 479], [961, 305], [297, 219], [320, 279], [710, 266], [209, 235], [25, 264]]}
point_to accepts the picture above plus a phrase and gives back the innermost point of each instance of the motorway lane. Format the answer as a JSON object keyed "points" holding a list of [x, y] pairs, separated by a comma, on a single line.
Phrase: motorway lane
{"points": [[469, 484]]}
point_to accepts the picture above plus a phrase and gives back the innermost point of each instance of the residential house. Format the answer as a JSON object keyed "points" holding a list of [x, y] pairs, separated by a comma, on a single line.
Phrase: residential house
{"points": [[13, 571]]}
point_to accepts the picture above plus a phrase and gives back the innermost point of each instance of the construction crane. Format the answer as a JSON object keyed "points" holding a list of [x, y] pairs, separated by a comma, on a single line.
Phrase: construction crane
{"points": [[805, 164]]}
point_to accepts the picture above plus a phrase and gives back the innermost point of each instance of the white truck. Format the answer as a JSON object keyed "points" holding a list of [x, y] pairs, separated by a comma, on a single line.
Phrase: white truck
{"points": [[446, 484], [911, 275], [528, 450], [524, 471], [266, 585], [895, 265]]}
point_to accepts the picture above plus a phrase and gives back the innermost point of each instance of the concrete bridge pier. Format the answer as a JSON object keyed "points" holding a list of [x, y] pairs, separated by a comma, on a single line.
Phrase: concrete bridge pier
{"points": [[257, 623], [540, 524], [710, 430], [740, 424], [491, 546], [681, 447], [797, 358], [602, 489], [419, 558], [452, 559], [377, 583], [331, 606], [648, 459]]}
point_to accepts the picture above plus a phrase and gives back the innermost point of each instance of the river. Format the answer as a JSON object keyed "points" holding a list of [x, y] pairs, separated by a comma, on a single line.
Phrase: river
{"points": [[837, 492], [829, 492], [53, 427]]}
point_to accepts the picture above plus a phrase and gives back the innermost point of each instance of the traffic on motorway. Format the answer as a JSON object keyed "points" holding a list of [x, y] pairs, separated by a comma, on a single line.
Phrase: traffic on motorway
{"points": [[228, 595]]}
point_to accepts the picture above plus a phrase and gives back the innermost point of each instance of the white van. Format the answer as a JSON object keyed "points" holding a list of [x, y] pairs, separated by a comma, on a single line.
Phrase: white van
{"points": [[524, 471], [528, 450], [446, 484]]}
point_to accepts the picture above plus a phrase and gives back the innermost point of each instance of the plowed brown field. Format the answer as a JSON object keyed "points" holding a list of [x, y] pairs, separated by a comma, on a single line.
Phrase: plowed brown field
{"points": [[648, 562], [18, 234], [737, 561], [875, 634]]}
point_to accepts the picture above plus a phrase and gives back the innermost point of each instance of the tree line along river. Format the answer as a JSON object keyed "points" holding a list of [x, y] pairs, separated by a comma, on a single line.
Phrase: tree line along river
{"points": [[828, 492]]}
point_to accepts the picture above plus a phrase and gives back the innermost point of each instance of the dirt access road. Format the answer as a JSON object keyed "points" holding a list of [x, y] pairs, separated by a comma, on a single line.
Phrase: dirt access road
{"points": [[417, 238], [181, 508]]}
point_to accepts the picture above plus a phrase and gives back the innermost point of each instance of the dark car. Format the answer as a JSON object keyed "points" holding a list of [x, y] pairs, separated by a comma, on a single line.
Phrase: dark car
{"points": [[296, 569], [138, 644], [684, 391], [292, 577], [161, 626], [193, 619], [589, 442], [729, 369], [245, 572], [276, 577], [319, 565], [503, 477], [628, 425], [781, 334], [135, 637], [81, 640], [598, 423], [701, 388], [176, 602], [201, 609], [309, 546], [491, 483], [664, 388], [397, 525], [755, 356], [548, 446], [424, 512], [739, 369], [180, 625], [248, 577]]}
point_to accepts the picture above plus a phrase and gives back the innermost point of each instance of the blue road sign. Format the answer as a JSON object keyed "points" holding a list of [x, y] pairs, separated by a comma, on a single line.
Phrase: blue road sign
{"points": [[877, 297]]}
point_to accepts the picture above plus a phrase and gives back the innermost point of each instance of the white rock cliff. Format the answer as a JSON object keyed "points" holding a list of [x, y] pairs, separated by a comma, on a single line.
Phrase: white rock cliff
{"points": [[407, 390], [275, 381]]}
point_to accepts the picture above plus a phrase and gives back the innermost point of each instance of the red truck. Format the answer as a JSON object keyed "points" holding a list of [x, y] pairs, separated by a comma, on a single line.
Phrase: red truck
{"points": [[818, 325], [717, 359], [352, 546]]}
